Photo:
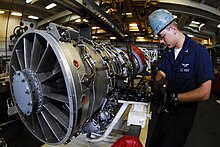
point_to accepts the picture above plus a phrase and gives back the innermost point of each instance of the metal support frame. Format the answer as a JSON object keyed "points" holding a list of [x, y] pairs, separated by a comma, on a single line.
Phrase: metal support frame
{"points": [[111, 126], [90, 8], [133, 120], [131, 6]]}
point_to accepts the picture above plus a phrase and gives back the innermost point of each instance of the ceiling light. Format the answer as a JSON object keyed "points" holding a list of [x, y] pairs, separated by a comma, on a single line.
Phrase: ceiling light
{"points": [[195, 22], [134, 30], [133, 25], [94, 28], [78, 20], [95, 37], [191, 36], [33, 17], [192, 29], [85, 20], [28, 1], [51, 6], [218, 26], [204, 42], [2, 12], [128, 13], [16, 14], [174, 16], [193, 25], [141, 39], [126, 35], [112, 37], [201, 25], [107, 11]]}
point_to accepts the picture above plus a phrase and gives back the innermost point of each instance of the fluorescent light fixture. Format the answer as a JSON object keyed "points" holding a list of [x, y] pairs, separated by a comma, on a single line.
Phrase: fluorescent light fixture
{"points": [[192, 29], [134, 29], [218, 26], [33, 17], [107, 11], [28, 1], [195, 22], [95, 37], [141, 39], [193, 25], [112, 37], [85, 20], [201, 25], [78, 20], [174, 16], [129, 13], [94, 28], [16, 14], [2, 12], [133, 25], [51, 6], [204, 41], [189, 35]]}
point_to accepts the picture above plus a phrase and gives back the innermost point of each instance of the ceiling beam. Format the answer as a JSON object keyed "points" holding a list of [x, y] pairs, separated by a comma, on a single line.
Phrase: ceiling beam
{"points": [[191, 11], [183, 20], [204, 34], [203, 1], [27, 9], [91, 10], [131, 7], [69, 18], [54, 17], [194, 5]]}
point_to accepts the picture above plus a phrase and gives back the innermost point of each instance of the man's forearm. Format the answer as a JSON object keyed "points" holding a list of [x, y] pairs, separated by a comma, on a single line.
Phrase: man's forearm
{"points": [[199, 94], [159, 75]]}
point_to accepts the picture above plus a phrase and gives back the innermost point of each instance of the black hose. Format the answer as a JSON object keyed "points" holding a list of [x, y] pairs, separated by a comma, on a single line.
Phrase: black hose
{"points": [[6, 36]]}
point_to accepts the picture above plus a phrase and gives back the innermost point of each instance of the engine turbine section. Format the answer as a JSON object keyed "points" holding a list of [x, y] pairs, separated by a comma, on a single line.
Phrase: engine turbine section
{"points": [[59, 80]]}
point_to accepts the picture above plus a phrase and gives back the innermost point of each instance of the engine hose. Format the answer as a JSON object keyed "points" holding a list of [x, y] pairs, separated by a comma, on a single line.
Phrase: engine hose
{"points": [[6, 30]]}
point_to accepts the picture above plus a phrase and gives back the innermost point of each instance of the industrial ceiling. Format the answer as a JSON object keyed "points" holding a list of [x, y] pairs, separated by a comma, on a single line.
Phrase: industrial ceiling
{"points": [[115, 17]]}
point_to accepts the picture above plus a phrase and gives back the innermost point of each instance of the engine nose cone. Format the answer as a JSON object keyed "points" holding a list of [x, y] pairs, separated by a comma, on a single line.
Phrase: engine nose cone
{"points": [[22, 93]]}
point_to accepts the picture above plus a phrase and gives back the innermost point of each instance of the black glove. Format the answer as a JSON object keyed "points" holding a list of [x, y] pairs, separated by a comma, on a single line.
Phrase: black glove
{"points": [[159, 89], [168, 101], [160, 86], [162, 97], [172, 98]]}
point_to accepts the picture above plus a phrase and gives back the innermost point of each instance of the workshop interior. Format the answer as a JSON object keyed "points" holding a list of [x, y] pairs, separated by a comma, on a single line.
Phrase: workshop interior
{"points": [[80, 72]]}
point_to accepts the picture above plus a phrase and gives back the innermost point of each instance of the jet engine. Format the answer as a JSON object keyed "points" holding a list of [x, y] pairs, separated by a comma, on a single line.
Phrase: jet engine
{"points": [[63, 84]]}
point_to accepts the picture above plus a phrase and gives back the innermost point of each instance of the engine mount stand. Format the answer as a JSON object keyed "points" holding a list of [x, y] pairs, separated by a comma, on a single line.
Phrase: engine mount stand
{"points": [[137, 116]]}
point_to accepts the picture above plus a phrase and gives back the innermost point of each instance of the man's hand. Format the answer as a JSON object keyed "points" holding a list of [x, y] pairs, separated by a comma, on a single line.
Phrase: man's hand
{"points": [[162, 96], [172, 99], [160, 86], [159, 89]]}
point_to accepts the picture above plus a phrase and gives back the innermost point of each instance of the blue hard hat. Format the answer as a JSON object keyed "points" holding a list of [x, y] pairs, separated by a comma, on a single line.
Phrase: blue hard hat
{"points": [[159, 19]]}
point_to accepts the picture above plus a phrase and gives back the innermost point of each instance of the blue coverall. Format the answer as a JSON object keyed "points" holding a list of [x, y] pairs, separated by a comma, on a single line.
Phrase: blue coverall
{"points": [[191, 68]]}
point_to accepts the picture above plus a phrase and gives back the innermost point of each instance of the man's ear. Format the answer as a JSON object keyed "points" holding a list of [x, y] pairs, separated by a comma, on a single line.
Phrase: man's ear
{"points": [[174, 29]]}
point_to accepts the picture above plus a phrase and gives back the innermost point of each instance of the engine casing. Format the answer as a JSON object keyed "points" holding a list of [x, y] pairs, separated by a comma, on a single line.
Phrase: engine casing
{"points": [[59, 80]]}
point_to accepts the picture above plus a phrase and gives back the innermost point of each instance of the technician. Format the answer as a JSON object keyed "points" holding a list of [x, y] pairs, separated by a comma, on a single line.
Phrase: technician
{"points": [[186, 72]]}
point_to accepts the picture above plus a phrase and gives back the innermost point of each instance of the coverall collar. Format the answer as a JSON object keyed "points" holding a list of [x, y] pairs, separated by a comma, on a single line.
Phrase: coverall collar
{"points": [[184, 52]]}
